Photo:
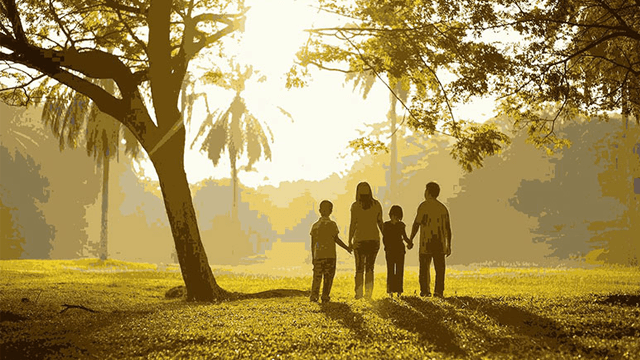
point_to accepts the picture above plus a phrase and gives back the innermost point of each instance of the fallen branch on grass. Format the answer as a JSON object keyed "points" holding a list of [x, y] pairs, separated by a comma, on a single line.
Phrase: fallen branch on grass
{"points": [[67, 307]]}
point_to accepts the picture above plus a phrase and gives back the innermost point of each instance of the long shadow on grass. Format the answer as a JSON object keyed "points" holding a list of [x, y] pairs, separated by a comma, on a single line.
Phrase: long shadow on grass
{"points": [[343, 314], [532, 332], [423, 318], [62, 335]]}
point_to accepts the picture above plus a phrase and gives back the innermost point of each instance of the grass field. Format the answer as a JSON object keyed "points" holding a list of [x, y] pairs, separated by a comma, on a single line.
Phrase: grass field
{"points": [[487, 313]]}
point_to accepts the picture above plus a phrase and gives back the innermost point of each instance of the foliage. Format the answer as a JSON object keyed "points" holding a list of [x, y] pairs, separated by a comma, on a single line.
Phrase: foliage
{"points": [[24, 232], [580, 57], [490, 313], [424, 44], [366, 144], [619, 154], [583, 56], [75, 120], [570, 199], [145, 48], [235, 129]]}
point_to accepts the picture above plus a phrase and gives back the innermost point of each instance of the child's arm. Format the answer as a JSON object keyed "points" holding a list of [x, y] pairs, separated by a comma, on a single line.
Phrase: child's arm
{"points": [[342, 244], [352, 228], [313, 248], [406, 238]]}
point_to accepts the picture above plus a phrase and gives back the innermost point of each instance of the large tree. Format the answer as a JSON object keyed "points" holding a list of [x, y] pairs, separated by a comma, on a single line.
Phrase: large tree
{"points": [[153, 43]]}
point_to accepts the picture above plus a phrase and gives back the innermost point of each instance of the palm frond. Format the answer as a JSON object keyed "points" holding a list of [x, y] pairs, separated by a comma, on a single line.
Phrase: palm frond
{"points": [[216, 140], [285, 113], [257, 141], [238, 110], [131, 144], [206, 124]]}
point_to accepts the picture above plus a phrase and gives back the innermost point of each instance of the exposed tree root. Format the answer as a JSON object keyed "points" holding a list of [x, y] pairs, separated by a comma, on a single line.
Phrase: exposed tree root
{"points": [[269, 294], [181, 291]]}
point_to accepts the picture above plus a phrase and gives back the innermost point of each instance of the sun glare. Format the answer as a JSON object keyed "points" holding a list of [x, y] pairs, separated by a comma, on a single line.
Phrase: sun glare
{"points": [[274, 31]]}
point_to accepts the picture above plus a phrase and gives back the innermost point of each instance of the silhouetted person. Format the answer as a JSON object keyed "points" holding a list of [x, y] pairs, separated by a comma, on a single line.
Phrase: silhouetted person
{"points": [[435, 239], [324, 237], [364, 237], [393, 234]]}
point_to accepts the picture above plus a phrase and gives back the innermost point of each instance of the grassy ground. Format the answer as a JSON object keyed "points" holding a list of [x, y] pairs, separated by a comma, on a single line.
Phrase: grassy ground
{"points": [[487, 313]]}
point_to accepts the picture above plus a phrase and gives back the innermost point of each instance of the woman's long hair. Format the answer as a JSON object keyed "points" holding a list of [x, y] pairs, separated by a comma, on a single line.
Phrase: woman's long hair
{"points": [[364, 195]]}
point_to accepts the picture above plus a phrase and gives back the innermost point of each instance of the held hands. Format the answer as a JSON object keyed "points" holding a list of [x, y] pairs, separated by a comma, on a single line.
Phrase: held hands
{"points": [[410, 245], [349, 248]]}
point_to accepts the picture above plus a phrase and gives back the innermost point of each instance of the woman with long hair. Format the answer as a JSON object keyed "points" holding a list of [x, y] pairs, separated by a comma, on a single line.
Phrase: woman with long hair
{"points": [[364, 237]]}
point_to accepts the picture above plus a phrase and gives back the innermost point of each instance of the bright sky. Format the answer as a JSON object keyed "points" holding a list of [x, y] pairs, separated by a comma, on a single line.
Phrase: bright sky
{"points": [[327, 114]]}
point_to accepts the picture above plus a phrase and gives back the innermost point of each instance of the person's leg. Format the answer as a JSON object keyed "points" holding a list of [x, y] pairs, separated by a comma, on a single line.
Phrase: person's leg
{"points": [[370, 261], [394, 285], [329, 272], [317, 278], [359, 258], [425, 276], [400, 273], [390, 271], [438, 263]]}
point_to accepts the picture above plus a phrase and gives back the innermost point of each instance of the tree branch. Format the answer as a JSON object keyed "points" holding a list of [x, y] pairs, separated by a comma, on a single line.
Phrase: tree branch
{"points": [[617, 16], [385, 83], [322, 67], [131, 33], [588, 47], [57, 20], [14, 18], [120, 7]]}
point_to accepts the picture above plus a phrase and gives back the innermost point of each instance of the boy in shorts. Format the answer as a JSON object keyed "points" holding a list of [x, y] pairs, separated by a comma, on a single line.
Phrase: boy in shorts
{"points": [[324, 237]]}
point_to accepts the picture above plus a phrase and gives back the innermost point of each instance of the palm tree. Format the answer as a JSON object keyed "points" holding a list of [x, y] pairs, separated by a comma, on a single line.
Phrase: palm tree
{"points": [[234, 129], [68, 114], [400, 91]]}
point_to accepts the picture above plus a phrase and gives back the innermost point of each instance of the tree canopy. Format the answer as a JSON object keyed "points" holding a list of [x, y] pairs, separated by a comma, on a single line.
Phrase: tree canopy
{"points": [[78, 43], [145, 48], [571, 56]]}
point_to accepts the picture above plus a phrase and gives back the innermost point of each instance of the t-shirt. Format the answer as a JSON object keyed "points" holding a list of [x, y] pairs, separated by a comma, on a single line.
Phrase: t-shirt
{"points": [[366, 221], [323, 234], [392, 236], [435, 227]]}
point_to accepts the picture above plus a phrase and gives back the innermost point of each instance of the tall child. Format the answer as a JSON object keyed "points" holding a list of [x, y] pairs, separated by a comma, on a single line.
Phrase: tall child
{"points": [[324, 237], [393, 234]]}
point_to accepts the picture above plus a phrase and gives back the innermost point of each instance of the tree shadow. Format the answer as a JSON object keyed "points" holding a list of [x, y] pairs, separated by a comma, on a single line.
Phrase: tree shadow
{"points": [[423, 318]]}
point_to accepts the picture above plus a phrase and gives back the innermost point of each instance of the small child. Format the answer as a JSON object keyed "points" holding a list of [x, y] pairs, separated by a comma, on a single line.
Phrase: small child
{"points": [[393, 233], [324, 237]]}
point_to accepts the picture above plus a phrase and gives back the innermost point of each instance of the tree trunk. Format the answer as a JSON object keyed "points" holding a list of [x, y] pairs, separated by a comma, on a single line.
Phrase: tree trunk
{"points": [[393, 161], [234, 185], [104, 253], [197, 275]]}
